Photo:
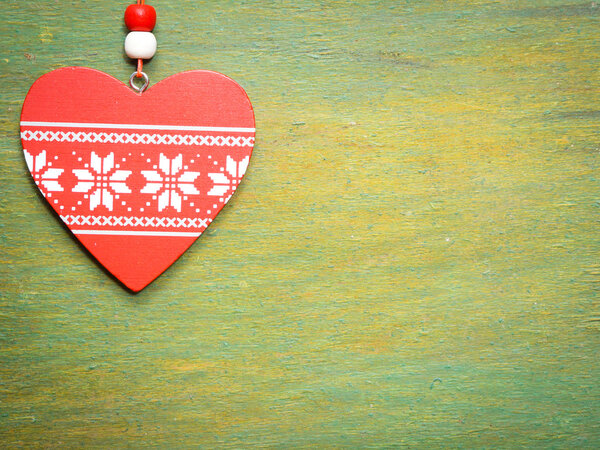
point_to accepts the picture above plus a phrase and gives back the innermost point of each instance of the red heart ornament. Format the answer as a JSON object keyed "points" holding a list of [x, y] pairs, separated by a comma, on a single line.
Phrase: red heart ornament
{"points": [[137, 178]]}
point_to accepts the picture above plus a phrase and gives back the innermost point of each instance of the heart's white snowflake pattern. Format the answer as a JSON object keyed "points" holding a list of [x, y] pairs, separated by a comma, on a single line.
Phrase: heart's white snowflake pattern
{"points": [[45, 176], [172, 184], [102, 184], [227, 183], [134, 180]]}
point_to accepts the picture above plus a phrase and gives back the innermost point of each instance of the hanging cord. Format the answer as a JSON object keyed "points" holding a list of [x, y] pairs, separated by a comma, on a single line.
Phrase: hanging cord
{"points": [[140, 63], [140, 43]]}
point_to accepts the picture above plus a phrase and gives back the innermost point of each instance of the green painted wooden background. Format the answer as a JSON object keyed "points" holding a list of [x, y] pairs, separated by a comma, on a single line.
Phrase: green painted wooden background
{"points": [[413, 258]]}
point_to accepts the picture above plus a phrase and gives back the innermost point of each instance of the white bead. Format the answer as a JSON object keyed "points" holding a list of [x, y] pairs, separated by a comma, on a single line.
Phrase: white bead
{"points": [[140, 45]]}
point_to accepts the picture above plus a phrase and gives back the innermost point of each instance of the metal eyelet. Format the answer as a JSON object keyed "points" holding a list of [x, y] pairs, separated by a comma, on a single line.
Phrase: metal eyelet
{"points": [[143, 87]]}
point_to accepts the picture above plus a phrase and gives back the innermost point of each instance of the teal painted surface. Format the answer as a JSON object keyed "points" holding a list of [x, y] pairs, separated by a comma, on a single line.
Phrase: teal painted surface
{"points": [[412, 259]]}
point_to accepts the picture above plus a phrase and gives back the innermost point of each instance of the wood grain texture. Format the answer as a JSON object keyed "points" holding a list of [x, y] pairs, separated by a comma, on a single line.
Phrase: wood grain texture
{"points": [[412, 259]]}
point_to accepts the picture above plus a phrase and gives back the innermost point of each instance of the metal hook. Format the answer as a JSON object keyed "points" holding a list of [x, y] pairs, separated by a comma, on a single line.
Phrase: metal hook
{"points": [[141, 88]]}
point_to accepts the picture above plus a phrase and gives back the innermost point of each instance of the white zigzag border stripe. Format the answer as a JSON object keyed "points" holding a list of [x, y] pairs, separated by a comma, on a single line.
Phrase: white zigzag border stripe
{"points": [[117, 126], [136, 138], [114, 221]]}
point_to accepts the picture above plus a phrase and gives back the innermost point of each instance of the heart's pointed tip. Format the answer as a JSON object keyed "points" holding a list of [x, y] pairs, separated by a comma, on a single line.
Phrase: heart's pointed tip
{"points": [[136, 286], [136, 261]]}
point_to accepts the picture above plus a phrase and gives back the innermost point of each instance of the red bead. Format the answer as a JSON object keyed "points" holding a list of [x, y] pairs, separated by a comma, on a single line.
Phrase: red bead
{"points": [[140, 17]]}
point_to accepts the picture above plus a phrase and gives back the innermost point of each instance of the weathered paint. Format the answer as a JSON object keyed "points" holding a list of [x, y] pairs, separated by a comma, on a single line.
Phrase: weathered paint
{"points": [[412, 260]]}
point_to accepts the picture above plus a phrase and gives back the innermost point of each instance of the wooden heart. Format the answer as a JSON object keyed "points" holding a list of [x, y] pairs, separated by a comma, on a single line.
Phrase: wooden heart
{"points": [[137, 178]]}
